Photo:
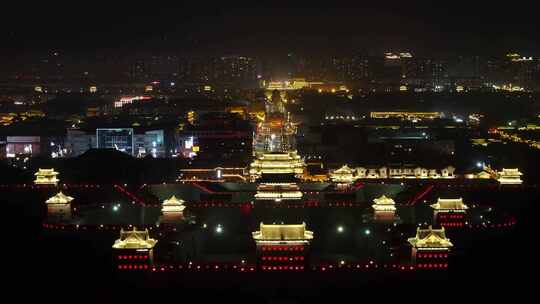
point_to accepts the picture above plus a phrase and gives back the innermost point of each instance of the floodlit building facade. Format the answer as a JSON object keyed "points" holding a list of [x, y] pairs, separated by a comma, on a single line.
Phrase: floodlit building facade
{"points": [[343, 176], [384, 208], [430, 246], [278, 192], [173, 205], [134, 249], [282, 247], [46, 177], [510, 177]]}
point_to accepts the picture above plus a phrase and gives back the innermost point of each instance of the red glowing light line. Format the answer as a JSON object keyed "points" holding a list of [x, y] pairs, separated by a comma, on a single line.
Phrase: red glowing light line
{"points": [[421, 195]]}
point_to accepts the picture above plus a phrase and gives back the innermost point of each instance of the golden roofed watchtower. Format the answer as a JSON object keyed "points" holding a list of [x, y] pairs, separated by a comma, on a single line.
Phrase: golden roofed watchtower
{"points": [[59, 199], [134, 249], [343, 175], [282, 247], [46, 177], [384, 208], [173, 205], [510, 176], [134, 239], [450, 205], [283, 234], [429, 244]]}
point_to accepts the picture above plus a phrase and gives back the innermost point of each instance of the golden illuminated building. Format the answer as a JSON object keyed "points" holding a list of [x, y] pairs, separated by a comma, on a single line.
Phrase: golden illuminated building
{"points": [[134, 249], [276, 133], [277, 163], [509, 88], [404, 172], [450, 205], [59, 207], [46, 177], [343, 175], [59, 199], [275, 144], [282, 234], [384, 204], [384, 208], [7, 118], [510, 177], [282, 247], [278, 192], [289, 85], [173, 205], [429, 243], [406, 115], [191, 117], [429, 239], [134, 239]]}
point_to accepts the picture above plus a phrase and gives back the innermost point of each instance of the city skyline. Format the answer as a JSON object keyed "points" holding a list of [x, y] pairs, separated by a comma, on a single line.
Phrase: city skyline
{"points": [[270, 152]]}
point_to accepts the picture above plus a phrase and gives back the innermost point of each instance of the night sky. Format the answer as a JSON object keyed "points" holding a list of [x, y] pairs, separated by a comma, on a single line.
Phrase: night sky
{"points": [[419, 26]]}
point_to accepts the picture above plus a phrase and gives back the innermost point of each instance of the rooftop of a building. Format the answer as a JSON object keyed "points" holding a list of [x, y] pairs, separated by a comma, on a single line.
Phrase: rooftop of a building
{"points": [[430, 238], [173, 201], [134, 239], [45, 172], [449, 204], [59, 199], [384, 200], [345, 169], [282, 232]]}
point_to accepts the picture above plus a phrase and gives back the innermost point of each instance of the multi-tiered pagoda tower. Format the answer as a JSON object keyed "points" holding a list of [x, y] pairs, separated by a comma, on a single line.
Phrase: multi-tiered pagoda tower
{"points": [[275, 144], [277, 132], [277, 164]]}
